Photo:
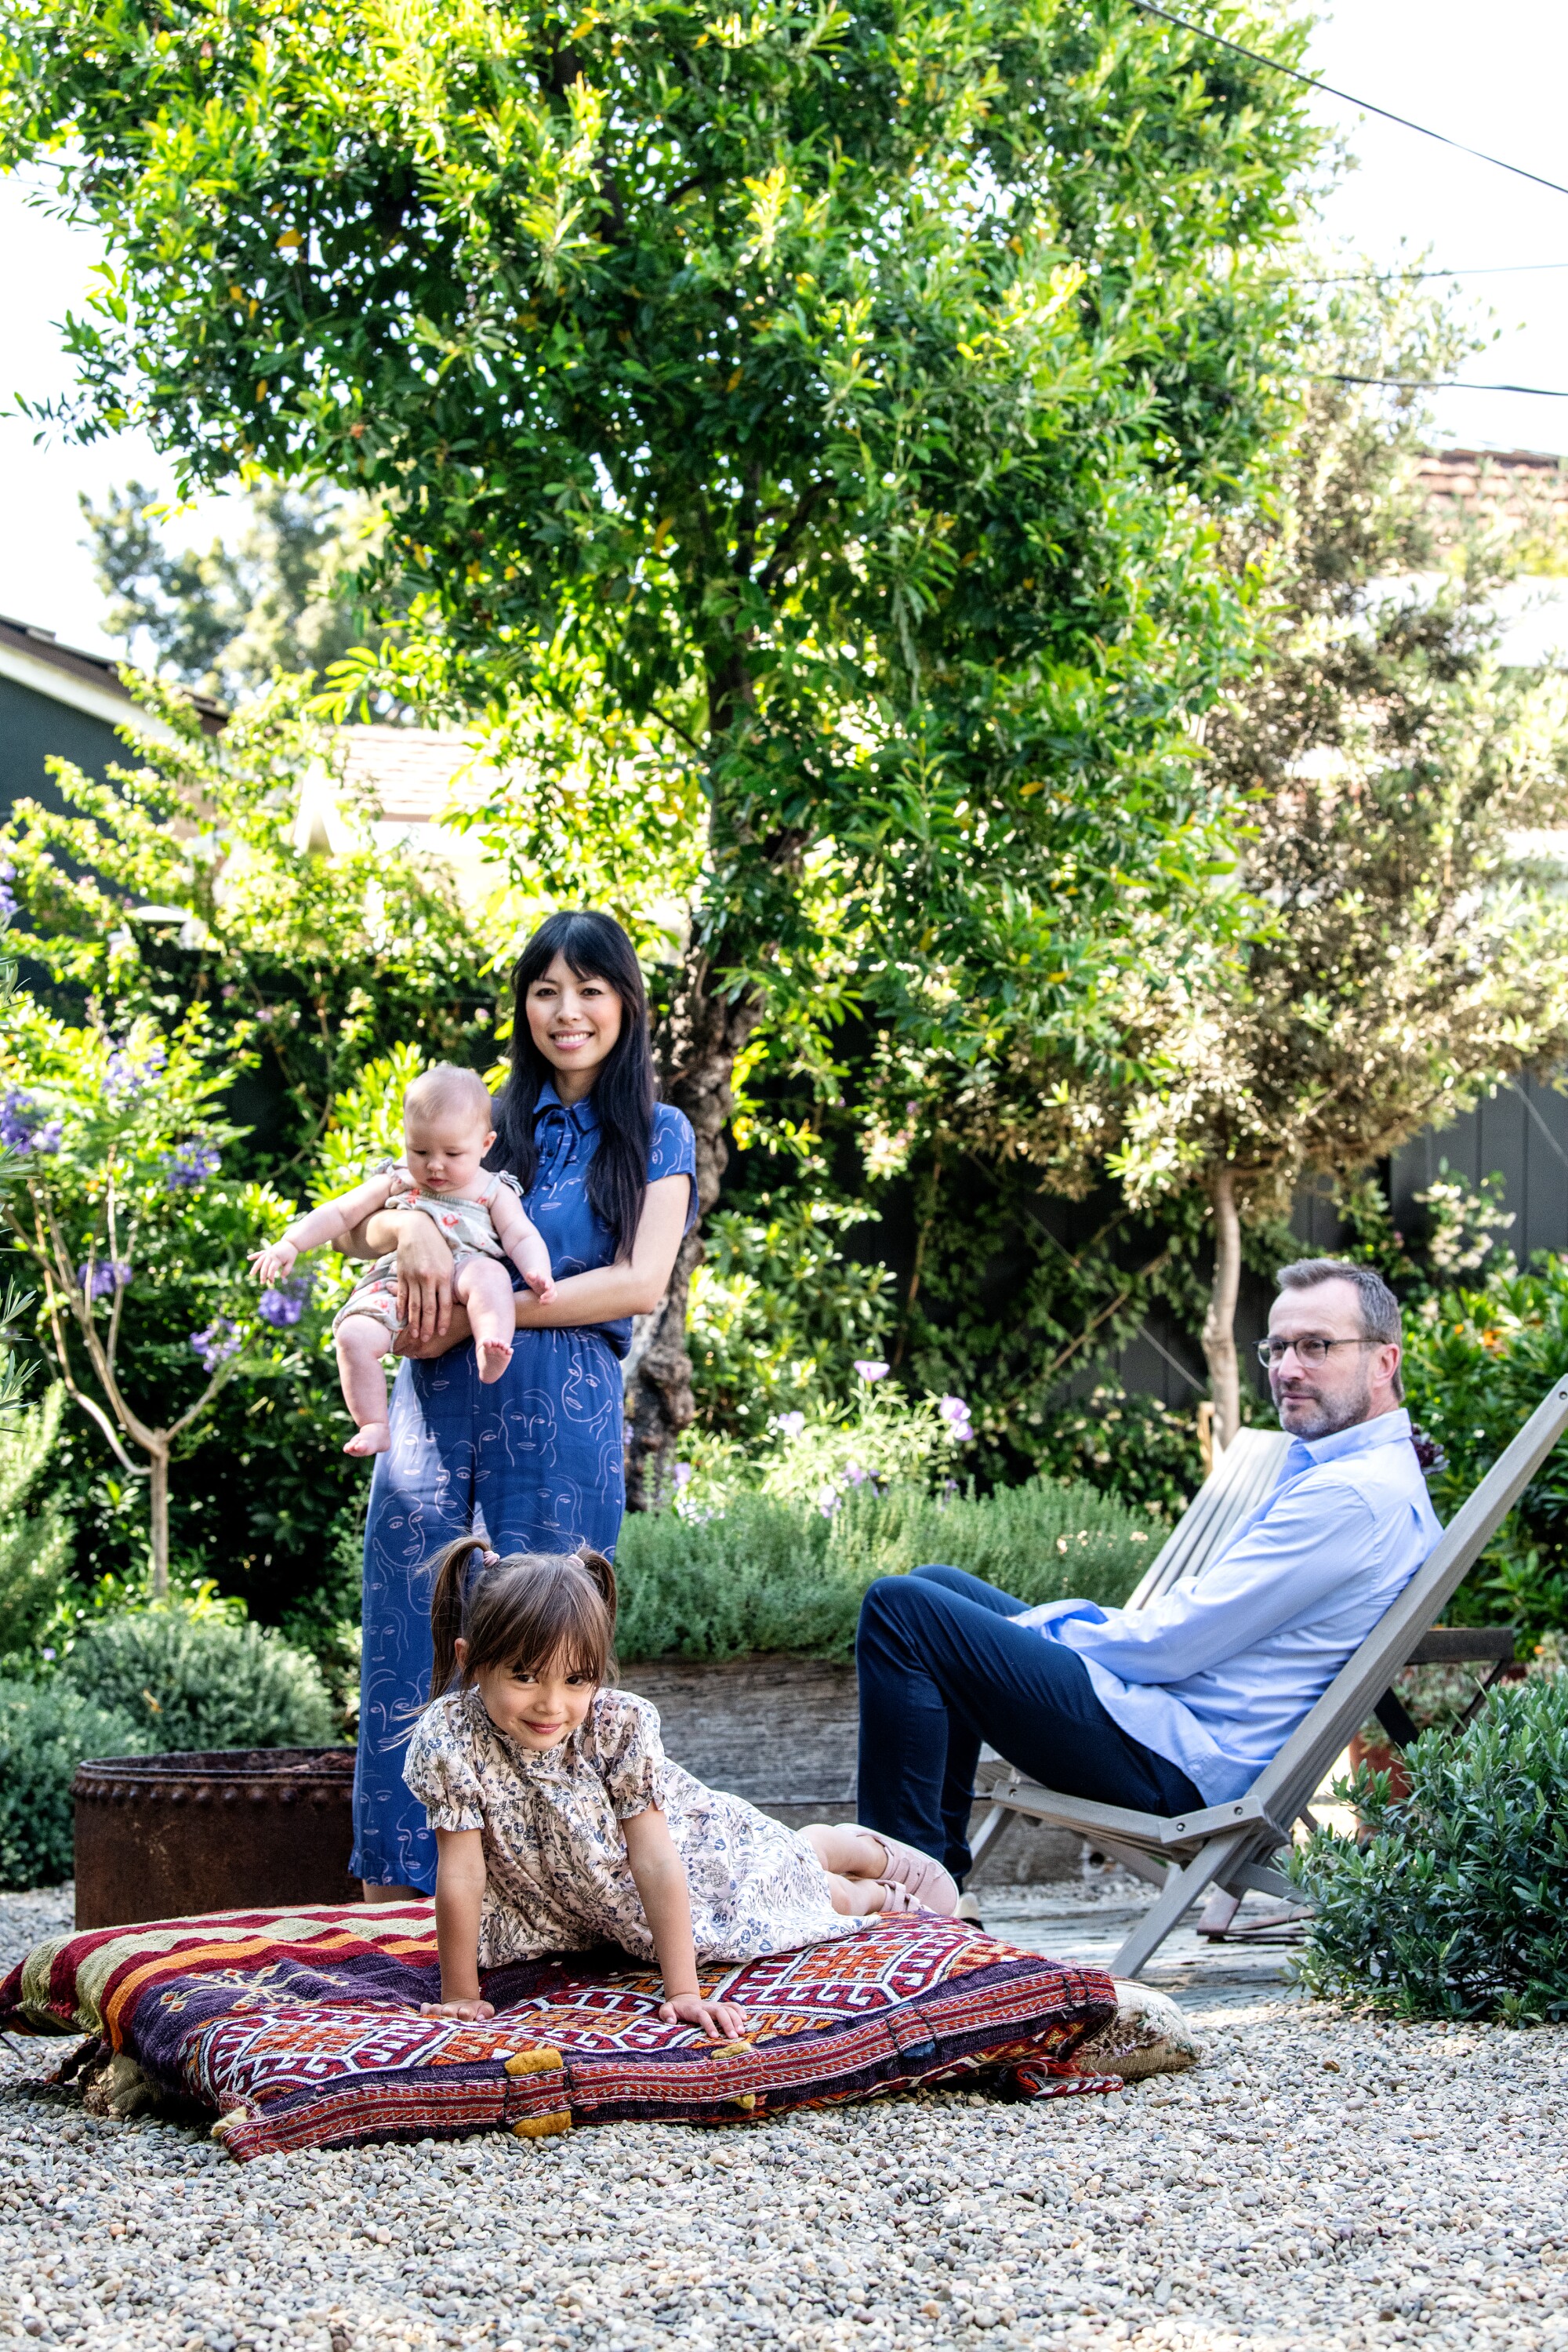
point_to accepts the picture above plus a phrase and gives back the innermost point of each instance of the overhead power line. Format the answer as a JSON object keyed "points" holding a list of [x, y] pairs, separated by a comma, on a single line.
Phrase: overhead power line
{"points": [[1438, 383], [1384, 277], [1310, 81]]}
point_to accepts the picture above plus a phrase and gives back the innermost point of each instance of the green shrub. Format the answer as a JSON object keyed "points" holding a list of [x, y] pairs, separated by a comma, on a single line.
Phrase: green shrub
{"points": [[36, 1539], [202, 1680], [1477, 1364], [1457, 1903], [45, 1729], [1134, 1447], [770, 1574]]}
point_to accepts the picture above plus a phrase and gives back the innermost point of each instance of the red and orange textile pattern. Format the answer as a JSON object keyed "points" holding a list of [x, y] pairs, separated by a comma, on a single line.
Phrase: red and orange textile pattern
{"points": [[302, 2029]]}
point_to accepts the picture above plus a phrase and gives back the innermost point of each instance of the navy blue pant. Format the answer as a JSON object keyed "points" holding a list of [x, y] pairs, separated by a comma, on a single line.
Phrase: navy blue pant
{"points": [[941, 1671]]}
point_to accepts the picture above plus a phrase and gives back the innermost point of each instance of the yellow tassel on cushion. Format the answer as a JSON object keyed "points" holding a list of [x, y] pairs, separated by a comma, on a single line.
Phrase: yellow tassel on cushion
{"points": [[540, 2126], [543, 2060]]}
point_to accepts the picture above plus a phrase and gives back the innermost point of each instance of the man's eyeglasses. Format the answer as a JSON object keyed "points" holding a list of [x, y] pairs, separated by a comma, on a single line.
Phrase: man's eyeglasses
{"points": [[1309, 1352]]}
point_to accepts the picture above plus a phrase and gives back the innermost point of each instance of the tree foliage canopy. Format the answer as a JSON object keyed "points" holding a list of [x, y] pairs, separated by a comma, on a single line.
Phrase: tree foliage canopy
{"points": [[845, 386]]}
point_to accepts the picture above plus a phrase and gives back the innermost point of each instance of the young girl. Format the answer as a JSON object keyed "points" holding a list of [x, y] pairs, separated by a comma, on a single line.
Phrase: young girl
{"points": [[560, 1823], [447, 1131]]}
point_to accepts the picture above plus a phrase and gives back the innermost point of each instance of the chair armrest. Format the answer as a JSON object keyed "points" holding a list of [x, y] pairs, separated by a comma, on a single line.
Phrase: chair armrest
{"points": [[1464, 1645]]}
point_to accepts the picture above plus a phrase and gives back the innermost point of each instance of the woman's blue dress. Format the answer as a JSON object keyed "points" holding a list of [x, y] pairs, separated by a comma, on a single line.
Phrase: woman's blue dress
{"points": [[535, 1463]]}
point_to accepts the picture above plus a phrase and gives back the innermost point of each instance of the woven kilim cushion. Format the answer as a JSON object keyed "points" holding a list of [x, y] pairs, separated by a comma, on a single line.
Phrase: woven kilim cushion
{"points": [[302, 2028]]}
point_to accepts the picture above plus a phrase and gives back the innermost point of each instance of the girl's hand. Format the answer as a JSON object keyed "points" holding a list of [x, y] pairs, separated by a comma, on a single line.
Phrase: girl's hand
{"points": [[272, 1264], [472, 2012], [720, 2021]]}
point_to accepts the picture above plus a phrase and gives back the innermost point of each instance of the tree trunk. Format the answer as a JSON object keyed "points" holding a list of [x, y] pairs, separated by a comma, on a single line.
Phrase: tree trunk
{"points": [[1219, 1323], [158, 1456], [696, 1050]]}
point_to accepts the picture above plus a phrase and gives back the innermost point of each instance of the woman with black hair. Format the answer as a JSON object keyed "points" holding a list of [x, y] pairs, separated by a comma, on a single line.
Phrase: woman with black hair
{"points": [[535, 1461]]}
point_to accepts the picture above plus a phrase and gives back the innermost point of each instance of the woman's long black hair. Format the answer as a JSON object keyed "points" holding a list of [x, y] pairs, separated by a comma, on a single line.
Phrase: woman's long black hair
{"points": [[595, 948]]}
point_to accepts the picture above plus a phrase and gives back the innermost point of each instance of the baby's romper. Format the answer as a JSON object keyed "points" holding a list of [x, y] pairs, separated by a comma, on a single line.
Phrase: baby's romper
{"points": [[556, 1874], [464, 1226]]}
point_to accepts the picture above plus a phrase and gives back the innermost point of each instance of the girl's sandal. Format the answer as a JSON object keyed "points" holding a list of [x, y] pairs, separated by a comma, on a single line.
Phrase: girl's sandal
{"points": [[929, 1885]]}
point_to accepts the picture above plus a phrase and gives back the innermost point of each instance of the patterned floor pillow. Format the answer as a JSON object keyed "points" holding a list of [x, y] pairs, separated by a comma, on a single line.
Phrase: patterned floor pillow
{"points": [[301, 2028]]}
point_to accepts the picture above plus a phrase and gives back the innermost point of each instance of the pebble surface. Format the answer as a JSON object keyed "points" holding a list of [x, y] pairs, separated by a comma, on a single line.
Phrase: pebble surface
{"points": [[1320, 2181]]}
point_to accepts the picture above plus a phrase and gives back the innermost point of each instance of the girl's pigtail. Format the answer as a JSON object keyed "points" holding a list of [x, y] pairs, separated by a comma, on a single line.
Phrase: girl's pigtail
{"points": [[447, 1610], [604, 1576]]}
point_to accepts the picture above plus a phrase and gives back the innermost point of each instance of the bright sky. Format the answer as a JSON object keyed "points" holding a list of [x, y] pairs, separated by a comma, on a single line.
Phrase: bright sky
{"points": [[1497, 85]]}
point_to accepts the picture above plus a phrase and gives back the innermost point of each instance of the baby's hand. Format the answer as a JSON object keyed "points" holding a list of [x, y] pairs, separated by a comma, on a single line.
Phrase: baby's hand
{"points": [[272, 1264], [720, 2021], [472, 2012]]}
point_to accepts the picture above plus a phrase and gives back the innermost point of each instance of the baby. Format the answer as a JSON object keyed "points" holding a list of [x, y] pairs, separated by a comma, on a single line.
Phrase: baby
{"points": [[447, 1133]]}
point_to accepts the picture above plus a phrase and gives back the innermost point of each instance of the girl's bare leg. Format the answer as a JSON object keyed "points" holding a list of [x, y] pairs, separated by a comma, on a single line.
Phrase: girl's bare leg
{"points": [[854, 1861], [856, 1856], [845, 1850], [391, 1893], [363, 1340], [485, 1288]]}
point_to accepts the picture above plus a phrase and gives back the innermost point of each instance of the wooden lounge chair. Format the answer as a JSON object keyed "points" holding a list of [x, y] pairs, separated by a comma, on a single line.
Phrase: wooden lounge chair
{"points": [[1230, 1847]]}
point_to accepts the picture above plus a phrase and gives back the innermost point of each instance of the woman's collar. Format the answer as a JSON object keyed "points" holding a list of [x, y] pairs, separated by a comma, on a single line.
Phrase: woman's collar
{"points": [[583, 1114]]}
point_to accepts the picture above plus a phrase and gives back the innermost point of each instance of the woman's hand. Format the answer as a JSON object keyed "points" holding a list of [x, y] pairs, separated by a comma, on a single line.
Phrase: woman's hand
{"points": [[424, 1279], [472, 2012], [720, 2021]]}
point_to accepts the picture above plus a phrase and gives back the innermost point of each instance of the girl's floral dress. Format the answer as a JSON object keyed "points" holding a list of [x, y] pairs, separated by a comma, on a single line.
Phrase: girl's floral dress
{"points": [[556, 1874]]}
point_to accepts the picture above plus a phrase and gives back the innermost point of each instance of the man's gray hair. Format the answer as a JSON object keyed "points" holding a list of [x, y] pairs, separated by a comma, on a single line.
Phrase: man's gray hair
{"points": [[1379, 1308]]}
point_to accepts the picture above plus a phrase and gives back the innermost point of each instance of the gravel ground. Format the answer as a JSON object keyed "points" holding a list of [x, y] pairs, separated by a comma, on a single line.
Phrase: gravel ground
{"points": [[1320, 2181]]}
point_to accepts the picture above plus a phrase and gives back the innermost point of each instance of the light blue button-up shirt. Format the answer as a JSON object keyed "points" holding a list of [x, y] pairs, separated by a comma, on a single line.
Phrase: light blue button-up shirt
{"points": [[1217, 1674]]}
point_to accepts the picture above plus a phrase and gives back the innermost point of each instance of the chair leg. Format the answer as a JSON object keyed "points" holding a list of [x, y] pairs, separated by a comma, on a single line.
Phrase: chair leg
{"points": [[999, 1820], [1181, 1891]]}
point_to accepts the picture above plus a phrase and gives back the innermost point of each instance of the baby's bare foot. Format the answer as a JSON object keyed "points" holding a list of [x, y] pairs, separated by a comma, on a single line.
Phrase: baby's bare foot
{"points": [[373, 1437], [494, 1356]]}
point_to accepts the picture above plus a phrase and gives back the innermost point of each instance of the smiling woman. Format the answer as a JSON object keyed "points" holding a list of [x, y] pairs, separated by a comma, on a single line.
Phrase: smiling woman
{"points": [[533, 1461]]}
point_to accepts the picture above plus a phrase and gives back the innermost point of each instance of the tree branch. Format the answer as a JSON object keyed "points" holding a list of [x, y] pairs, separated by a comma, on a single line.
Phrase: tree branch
{"points": [[778, 563]]}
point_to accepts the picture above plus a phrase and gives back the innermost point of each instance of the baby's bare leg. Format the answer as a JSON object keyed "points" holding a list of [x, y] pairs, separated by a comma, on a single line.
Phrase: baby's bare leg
{"points": [[362, 1341], [484, 1286]]}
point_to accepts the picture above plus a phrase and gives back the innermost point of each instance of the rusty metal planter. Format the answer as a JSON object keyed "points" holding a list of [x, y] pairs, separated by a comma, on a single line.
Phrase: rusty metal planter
{"points": [[161, 1836]]}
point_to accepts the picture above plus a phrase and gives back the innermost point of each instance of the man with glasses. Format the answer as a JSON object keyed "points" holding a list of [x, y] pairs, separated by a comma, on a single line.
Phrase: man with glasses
{"points": [[1180, 1705]]}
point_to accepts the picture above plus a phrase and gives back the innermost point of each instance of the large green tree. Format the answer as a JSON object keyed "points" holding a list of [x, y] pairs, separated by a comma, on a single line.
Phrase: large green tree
{"points": [[229, 618], [846, 387]]}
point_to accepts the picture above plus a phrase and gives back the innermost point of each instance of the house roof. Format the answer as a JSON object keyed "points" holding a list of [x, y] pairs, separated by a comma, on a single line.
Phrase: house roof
{"points": [[90, 682], [407, 771], [1519, 487]]}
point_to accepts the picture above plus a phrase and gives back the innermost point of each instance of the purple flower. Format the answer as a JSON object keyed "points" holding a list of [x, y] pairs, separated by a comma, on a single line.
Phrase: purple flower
{"points": [[955, 1412], [48, 1653], [683, 1474], [25, 1128], [854, 1476], [283, 1305], [109, 1274], [7, 895], [789, 1424], [125, 1077], [190, 1164], [215, 1346], [871, 1368]]}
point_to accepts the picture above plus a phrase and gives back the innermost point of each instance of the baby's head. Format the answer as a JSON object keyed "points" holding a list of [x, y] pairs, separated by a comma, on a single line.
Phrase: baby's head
{"points": [[447, 1127], [533, 1631]]}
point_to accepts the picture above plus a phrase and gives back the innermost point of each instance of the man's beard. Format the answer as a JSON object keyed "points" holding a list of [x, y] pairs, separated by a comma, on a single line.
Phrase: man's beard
{"points": [[1314, 1416]]}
